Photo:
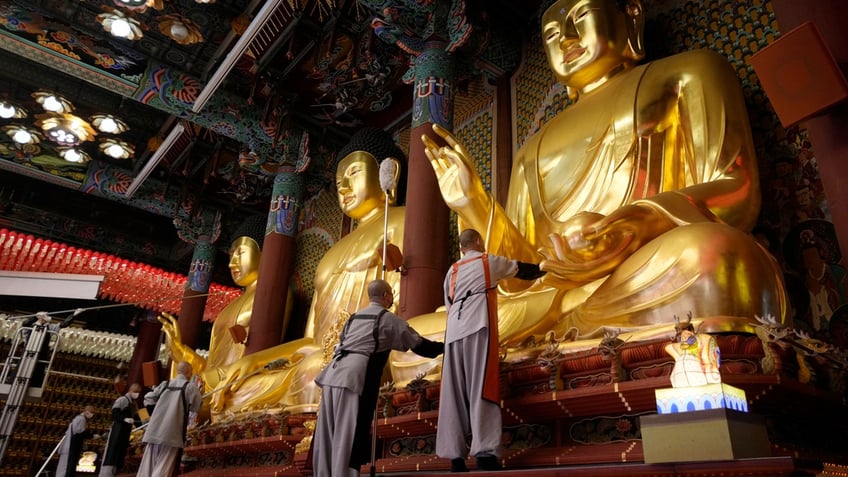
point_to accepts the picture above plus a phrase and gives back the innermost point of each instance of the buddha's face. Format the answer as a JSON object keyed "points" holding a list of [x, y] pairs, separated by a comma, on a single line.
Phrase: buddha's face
{"points": [[358, 184], [244, 261], [587, 39]]}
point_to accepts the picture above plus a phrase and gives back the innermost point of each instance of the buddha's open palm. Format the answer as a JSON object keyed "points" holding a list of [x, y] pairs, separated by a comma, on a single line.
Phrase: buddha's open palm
{"points": [[172, 334], [593, 245], [179, 351]]}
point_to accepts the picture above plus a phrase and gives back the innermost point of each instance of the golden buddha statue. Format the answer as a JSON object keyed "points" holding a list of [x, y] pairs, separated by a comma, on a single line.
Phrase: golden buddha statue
{"points": [[637, 199], [282, 376], [231, 326]]}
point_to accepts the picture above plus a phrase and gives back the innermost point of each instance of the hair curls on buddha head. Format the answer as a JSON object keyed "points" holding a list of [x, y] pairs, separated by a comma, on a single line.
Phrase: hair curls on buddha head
{"points": [[253, 228], [380, 145]]}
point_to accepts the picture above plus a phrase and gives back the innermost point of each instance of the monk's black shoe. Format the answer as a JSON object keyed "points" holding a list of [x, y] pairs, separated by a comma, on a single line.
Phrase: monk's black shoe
{"points": [[488, 462], [458, 465]]}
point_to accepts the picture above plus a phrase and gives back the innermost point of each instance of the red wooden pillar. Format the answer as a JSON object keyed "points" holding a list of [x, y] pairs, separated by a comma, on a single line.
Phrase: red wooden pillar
{"points": [[146, 348], [277, 262], [196, 292], [426, 228]]}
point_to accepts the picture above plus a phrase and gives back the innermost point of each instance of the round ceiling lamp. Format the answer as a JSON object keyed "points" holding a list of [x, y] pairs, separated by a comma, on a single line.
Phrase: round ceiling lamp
{"points": [[109, 124], [65, 129], [116, 149], [10, 110], [72, 154], [22, 135], [118, 24], [180, 29], [52, 102]]}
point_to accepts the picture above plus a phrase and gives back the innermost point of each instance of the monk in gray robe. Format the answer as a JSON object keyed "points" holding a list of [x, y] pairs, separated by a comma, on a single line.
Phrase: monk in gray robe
{"points": [[71, 445], [165, 435], [470, 394], [123, 418], [350, 382]]}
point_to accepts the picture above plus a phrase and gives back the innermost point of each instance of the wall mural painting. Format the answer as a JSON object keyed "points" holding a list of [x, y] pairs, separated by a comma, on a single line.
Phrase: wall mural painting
{"points": [[795, 223]]}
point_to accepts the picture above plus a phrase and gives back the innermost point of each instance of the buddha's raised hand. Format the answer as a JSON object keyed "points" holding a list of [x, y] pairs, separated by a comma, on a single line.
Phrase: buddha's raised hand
{"points": [[458, 179], [178, 350]]}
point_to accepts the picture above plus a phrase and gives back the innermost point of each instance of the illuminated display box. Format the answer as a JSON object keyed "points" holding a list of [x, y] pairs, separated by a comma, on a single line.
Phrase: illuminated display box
{"points": [[700, 398]]}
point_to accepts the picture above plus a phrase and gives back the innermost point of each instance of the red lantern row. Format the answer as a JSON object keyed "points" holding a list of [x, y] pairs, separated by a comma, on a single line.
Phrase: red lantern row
{"points": [[125, 281]]}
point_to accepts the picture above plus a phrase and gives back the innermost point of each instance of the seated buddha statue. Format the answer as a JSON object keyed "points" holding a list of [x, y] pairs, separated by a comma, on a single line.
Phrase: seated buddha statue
{"points": [[637, 199], [227, 342], [254, 381]]}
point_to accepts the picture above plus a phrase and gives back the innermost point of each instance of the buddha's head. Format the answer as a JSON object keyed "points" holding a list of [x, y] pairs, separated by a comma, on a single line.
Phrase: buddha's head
{"points": [[588, 40], [358, 185], [246, 250]]}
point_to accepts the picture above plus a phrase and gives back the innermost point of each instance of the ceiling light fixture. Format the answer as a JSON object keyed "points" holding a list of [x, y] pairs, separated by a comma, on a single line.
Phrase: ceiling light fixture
{"points": [[65, 129], [136, 5], [116, 149], [75, 155], [118, 24], [154, 160], [10, 110], [22, 135], [180, 29], [234, 54], [108, 124], [52, 102]]}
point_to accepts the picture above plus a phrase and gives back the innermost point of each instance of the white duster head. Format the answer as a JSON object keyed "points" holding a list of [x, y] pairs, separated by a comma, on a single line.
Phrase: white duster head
{"points": [[388, 174]]}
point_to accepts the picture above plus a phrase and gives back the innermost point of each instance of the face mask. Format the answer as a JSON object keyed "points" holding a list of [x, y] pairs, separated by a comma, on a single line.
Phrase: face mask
{"points": [[134, 395], [88, 415]]}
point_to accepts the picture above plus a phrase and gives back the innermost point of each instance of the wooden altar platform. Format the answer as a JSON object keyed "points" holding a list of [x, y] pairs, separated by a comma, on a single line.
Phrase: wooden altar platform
{"points": [[771, 466], [575, 414], [765, 467]]}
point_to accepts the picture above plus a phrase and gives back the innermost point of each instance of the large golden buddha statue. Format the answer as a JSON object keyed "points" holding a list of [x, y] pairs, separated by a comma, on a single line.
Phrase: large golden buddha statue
{"points": [[232, 324], [637, 199], [282, 376]]}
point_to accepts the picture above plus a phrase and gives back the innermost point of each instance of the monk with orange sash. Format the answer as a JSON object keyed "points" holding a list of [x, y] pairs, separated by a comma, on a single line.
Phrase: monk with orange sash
{"points": [[470, 392]]}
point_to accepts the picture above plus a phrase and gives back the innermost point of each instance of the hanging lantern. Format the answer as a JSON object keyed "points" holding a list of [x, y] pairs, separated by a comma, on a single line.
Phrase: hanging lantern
{"points": [[22, 135], [116, 149]]}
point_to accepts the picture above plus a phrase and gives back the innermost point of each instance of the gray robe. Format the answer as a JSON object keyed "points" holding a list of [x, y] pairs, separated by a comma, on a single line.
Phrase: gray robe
{"points": [[119, 436], [165, 434], [343, 383], [462, 407], [71, 447]]}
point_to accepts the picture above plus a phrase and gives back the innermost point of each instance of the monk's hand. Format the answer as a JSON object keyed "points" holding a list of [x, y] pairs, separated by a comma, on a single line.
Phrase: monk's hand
{"points": [[455, 171]]}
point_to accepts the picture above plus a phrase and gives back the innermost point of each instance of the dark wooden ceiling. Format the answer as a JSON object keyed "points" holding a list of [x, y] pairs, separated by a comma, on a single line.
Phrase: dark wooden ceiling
{"points": [[313, 65]]}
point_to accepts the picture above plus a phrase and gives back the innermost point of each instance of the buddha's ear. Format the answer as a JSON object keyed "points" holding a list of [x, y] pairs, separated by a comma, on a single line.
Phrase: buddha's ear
{"points": [[635, 17], [392, 192]]}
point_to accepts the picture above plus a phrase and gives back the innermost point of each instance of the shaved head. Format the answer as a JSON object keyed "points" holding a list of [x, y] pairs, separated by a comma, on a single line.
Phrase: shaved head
{"points": [[184, 368], [470, 239]]}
